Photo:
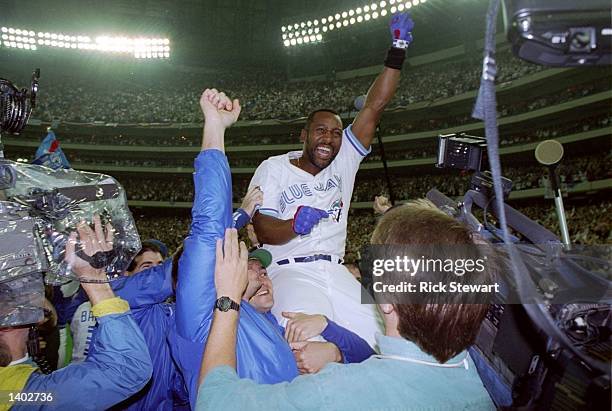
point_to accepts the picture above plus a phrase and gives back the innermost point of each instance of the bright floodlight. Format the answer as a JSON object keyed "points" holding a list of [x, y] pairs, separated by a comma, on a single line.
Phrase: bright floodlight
{"points": [[139, 47], [344, 18]]}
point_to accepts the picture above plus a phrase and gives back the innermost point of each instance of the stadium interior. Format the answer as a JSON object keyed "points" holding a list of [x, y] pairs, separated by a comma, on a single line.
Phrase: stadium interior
{"points": [[135, 115], [139, 120]]}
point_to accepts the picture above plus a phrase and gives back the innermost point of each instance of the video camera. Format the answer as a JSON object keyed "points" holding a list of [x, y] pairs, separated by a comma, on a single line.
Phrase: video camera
{"points": [[468, 153], [16, 105], [523, 360], [39, 208], [560, 33]]}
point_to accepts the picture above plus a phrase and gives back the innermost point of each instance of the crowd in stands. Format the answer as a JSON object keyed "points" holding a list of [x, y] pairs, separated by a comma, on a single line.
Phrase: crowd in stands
{"points": [[73, 100], [507, 138], [572, 171], [424, 148], [237, 137], [588, 224]]}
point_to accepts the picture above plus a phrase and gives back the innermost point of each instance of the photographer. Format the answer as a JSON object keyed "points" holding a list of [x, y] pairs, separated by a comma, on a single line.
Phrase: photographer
{"points": [[120, 365]]}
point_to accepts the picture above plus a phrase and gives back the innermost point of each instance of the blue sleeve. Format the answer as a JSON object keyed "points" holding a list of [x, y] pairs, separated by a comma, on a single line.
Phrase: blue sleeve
{"points": [[353, 347], [119, 367], [211, 215], [150, 286], [275, 323]]}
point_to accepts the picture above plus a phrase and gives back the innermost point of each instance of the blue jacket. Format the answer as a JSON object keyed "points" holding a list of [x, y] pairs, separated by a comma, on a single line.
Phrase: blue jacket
{"points": [[119, 367], [145, 292], [261, 351]]}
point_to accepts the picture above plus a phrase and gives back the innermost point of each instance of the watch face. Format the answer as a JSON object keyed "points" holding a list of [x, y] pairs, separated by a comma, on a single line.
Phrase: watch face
{"points": [[224, 303]]}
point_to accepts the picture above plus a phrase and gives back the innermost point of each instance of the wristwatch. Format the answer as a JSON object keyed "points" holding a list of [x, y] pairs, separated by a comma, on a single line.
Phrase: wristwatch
{"points": [[225, 304]]}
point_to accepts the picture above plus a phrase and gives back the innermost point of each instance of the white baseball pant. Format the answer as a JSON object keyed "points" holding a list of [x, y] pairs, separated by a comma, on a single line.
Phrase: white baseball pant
{"points": [[328, 288]]}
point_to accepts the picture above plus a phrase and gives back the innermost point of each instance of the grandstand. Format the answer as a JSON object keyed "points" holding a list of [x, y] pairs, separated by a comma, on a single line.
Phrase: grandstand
{"points": [[144, 128]]}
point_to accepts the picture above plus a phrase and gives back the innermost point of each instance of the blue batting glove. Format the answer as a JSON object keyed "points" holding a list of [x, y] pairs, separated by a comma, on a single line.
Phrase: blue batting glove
{"points": [[401, 26], [306, 218]]}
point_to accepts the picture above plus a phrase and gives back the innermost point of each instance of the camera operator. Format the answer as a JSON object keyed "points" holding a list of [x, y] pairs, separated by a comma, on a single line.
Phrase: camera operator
{"points": [[120, 365]]}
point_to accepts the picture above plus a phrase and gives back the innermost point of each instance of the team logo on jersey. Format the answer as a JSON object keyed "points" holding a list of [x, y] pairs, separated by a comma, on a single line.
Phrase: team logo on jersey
{"points": [[335, 210], [330, 184], [292, 193]]}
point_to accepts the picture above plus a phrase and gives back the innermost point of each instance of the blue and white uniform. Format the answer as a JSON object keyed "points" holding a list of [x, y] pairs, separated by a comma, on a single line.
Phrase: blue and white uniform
{"points": [[307, 272]]}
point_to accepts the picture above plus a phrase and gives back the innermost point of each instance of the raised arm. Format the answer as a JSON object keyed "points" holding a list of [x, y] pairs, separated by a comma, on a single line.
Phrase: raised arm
{"points": [[383, 89], [211, 215], [120, 365], [230, 281]]}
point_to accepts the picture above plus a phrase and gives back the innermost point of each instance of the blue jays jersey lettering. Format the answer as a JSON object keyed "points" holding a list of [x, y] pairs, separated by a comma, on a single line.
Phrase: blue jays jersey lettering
{"points": [[82, 326], [287, 187]]}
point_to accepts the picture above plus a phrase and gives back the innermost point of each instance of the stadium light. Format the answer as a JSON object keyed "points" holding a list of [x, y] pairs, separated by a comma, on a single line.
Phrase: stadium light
{"points": [[139, 47], [339, 19]]}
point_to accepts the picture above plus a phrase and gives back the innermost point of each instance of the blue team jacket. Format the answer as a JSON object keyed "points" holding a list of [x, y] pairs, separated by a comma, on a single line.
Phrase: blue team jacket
{"points": [[145, 292], [118, 367], [261, 351]]}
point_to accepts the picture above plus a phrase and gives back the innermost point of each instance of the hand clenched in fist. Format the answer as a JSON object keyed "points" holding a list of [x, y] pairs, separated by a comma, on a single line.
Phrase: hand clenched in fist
{"points": [[219, 108]]}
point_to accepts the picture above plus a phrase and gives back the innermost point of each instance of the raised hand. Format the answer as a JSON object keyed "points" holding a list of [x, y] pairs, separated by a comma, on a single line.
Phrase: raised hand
{"points": [[94, 280], [401, 26], [219, 108], [91, 242], [252, 200]]}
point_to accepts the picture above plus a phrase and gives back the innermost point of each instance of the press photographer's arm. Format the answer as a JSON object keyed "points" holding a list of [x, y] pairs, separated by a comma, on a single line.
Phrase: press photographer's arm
{"points": [[118, 365]]}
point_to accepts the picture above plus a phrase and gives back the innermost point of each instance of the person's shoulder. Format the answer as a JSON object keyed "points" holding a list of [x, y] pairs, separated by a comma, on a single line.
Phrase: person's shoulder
{"points": [[279, 161]]}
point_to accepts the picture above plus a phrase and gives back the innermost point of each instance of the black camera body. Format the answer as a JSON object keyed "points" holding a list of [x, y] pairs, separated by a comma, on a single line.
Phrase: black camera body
{"points": [[17, 104], [560, 33], [461, 151]]}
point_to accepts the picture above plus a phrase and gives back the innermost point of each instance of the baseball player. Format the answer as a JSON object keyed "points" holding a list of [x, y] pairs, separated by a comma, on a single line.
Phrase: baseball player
{"points": [[307, 196]]}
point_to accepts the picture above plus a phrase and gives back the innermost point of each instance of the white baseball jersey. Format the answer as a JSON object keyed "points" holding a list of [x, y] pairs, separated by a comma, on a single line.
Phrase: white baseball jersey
{"points": [[82, 326], [286, 187]]}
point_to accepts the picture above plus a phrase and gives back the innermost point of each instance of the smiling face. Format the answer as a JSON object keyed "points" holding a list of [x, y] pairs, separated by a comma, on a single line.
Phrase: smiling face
{"points": [[322, 139], [259, 291]]}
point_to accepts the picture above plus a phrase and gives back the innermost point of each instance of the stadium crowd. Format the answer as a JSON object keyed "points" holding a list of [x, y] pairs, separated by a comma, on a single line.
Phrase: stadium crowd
{"points": [[238, 138], [572, 171], [263, 97], [589, 224], [425, 148]]}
